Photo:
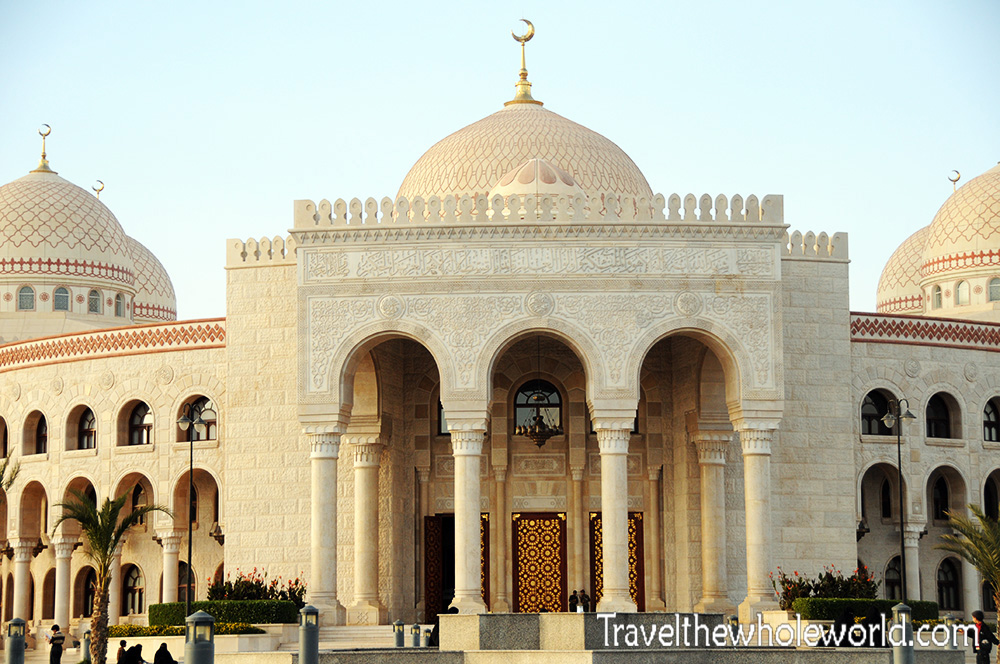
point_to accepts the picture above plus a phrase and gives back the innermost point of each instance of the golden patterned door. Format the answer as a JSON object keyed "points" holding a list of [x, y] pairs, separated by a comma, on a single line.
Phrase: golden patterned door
{"points": [[636, 565], [439, 562], [539, 562]]}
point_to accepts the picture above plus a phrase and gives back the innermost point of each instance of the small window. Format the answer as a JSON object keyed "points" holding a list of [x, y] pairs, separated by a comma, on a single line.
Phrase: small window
{"points": [[886, 499], [60, 299], [89, 592], [989, 603], [184, 582], [938, 419], [991, 499], [86, 436], [119, 306], [874, 406], [139, 499], [26, 299], [541, 395], [893, 580], [41, 436], [193, 507], [936, 297], [991, 421], [994, 290], [133, 591], [202, 408], [442, 422], [962, 293], [140, 425], [948, 584], [94, 302], [940, 500]]}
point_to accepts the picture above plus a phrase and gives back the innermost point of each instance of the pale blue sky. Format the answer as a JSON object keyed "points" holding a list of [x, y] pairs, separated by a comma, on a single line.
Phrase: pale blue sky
{"points": [[207, 119]]}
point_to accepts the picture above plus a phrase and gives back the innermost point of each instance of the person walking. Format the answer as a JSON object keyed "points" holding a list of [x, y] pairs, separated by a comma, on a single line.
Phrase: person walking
{"points": [[122, 649], [983, 640], [56, 640], [573, 602]]}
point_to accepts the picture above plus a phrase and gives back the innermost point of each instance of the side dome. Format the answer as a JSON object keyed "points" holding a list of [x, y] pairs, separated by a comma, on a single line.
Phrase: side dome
{"points": [[965, 234], [537, 177], [474, 159], [899, 289], [154, 293]]}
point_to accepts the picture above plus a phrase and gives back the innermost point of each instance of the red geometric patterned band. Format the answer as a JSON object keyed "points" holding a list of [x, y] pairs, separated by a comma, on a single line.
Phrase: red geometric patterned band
{"points": [[65, 266]]}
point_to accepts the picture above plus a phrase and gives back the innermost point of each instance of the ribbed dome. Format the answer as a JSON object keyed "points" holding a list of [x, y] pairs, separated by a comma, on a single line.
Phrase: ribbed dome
{"points": [[965, 233], [472, 160], [899, 289], [154, 297], [51, 227]]}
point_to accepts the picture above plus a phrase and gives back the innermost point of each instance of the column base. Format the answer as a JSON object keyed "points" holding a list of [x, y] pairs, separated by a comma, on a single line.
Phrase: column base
{"points": [[755, 604], [655, 605], [468, 604], [616, 604], [501, 606], [367, 612], [715, 605], [331, 611]]}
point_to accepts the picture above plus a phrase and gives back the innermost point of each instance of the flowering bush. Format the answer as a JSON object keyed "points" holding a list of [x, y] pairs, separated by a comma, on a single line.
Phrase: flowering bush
{"points": [[830, 584], [255, 585]]}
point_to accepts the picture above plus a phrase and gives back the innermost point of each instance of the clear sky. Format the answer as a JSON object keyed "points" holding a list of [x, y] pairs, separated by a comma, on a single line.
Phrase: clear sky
{"points": [[207, 119]]}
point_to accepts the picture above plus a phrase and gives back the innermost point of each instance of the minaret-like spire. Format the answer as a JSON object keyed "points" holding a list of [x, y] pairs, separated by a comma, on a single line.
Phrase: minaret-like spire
{"points": [[43, 163], [523, 87]]}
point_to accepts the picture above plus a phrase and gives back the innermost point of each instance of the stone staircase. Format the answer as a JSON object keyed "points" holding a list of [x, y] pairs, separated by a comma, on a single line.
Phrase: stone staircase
{"points": [[354, 637]]}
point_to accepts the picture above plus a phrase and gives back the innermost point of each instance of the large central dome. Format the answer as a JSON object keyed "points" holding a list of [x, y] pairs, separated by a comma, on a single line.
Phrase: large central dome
{"points": [[473, 159]]}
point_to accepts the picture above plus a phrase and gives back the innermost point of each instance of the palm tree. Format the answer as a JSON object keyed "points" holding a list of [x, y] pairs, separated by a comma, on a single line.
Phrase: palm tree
{"points": [[8, 473], [979, 543], [104, 529]]}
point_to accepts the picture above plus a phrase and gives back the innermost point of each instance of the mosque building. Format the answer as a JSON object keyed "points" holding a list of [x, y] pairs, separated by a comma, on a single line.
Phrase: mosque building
{"points": [[524, 374]]}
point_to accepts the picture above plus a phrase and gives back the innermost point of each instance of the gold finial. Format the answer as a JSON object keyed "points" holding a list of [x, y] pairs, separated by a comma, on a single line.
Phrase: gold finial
{"points": [[954, 177], [43, 163], [523, 87], [98, 188]]}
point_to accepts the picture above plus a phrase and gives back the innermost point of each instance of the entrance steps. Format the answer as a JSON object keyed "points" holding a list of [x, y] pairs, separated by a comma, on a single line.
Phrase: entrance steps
{"points": [[353, 637]]}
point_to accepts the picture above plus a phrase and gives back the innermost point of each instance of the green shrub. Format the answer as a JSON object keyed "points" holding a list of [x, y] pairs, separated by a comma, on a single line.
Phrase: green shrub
{"points": [[227, 611], [820, 608], [221, 628]]}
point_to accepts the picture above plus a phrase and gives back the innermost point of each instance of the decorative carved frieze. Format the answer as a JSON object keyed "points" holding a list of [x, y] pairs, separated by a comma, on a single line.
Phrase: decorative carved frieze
{"points": [[542, 503], [329, 321], [539, 465]]}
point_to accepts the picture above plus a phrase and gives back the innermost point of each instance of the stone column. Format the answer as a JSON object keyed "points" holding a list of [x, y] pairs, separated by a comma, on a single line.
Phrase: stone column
{"points": [[22, 578], [467, 446], [366, 608], [654, 598], [115, 587], [171, 542], [756, 443], [613, 444], [64, 550], [423, 482], [502, 604], [712, 464], [324, 451], [911, 549], [578, 513], [970, 583]]}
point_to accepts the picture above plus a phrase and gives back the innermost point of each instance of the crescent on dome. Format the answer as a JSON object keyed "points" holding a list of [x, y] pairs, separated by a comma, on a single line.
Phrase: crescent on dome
{"points": [[527, 35]]}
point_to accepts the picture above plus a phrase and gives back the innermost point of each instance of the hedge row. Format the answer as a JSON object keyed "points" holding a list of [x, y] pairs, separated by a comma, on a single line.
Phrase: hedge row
{"points": [[253, 611], [118, 631], [821, 608]]}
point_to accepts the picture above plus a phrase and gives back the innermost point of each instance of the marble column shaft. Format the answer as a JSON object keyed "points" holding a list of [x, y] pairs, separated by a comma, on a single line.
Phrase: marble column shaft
{"points": [[756, 444], [500, 475], [911, 549], [171, 542], [613, 445], [424, 496], [324, 452], [64, 551], [22, 578], [655, 595], [115, 587], [712, 466], [467, 446], [367, 455], [578, 512]]}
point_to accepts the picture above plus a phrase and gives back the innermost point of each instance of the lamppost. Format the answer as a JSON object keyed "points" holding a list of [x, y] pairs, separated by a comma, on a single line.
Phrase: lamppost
{"points": [[891, 419], [200, 426]]}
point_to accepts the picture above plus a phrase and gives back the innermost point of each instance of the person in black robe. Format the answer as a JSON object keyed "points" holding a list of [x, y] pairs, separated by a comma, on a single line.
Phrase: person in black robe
{"points": [[163, 656], [585, 601], [573, 602]]}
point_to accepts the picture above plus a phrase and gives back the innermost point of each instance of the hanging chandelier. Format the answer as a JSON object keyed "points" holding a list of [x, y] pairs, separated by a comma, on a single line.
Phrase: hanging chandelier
{"points": [[535, 427]]}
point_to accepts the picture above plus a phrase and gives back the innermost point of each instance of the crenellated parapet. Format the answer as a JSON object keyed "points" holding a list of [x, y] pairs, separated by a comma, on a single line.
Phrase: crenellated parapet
{"points": [[809, 246], [485, 211], [260, 253]]}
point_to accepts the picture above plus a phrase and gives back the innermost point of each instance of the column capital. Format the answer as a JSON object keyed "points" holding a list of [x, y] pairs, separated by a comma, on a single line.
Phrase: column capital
{"points": [[911, 535], [577, 473], [64, 546], [466, 442], [712, 447], [23, 547], [171, 541], [613, 440], [500, 473], [756, 441], [324, 445], [118, 549], [367, 450], [423, 474]]}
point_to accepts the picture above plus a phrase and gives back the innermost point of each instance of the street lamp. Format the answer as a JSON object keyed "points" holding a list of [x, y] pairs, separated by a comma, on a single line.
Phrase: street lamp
{"points": [[895, 416], [200, 425]]}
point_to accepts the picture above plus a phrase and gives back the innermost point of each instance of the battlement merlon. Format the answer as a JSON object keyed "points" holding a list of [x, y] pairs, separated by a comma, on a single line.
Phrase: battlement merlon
{"points": [[809, 246], [260, 253], [605, 208]]}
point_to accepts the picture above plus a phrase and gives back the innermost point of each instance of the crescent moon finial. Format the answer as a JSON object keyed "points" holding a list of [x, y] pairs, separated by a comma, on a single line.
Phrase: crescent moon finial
{"points": [[98, 188], [43, 163], [523, 87], [527, 35], [954, 177]]}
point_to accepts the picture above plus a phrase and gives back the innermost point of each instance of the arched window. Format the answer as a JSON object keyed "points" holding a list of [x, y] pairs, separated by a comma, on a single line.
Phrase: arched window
{"points": [[140, 425], [991, 498], [94, 302], [991, 421], [26, 299], [874, 406], [3, 435], [537, 393], [962, 293], [60, 299], [442, 429], [936, 297], [940, 499], [86, 434], [88, 593], [193, 508], [893, 584], [989, 601], [938, 420], [41, 436], [886, 499], [947, 586], [139, 499], [182, 582], [203, 408], [133, 591], [994, 290], [119, 306]]}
